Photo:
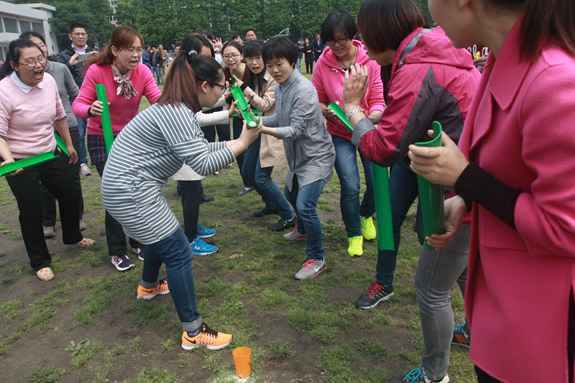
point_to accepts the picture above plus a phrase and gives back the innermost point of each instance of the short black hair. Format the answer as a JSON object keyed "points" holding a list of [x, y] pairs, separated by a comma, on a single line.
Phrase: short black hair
{"points": [[236, 36], [77, 25], [340, 20], [177, 45], [207, 34], [250, 29], [279, 47]]}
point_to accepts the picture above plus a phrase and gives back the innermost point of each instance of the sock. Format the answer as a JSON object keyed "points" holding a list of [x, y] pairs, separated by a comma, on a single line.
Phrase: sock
{"points": [[193, 333]]}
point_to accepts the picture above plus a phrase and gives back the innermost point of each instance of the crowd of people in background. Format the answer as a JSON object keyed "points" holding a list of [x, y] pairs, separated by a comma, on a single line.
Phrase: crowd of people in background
{"points": [[507, 227]]}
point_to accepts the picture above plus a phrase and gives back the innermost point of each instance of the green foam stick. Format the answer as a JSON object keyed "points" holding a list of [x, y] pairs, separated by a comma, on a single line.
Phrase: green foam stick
{"points": [[242, 104], [431, 195], [61, 144], [106, 122], [254, 111], [381, 190], [34, 160]]}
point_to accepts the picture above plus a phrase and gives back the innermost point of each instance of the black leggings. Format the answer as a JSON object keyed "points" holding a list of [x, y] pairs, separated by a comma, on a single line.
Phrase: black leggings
{"points": [[308, 67], [210, 131], [191, 194]]}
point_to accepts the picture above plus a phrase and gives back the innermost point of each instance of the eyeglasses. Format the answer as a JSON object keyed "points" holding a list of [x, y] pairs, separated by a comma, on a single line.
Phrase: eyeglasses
{"points": [[31, 64], [224, 88], [339, 42], [232, 56], [131, 51], [79, 34], [256, 58]]}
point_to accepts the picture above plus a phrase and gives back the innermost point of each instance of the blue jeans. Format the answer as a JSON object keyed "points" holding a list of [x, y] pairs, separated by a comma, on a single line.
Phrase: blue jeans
{"points": [[82, 127], [348, 173], [176, 252], [436, 273], [156, 71], [304, 201], [276, 197], [402, 192], [298, 64]]}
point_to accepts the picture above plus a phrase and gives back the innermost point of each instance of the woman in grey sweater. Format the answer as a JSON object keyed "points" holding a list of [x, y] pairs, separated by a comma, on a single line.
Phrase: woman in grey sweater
{"points": [[68, 90]]}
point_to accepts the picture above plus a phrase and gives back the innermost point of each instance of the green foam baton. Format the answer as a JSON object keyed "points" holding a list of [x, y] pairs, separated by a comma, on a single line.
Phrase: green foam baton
{"points": [[431, 195], [381, 190], [242, 104], [61, 144], [106, 122]]}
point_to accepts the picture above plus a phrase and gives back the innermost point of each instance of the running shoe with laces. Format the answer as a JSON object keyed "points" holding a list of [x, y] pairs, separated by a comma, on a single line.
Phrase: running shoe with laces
{"points": [[417, 375], [367, 228], [311, 269], [207, 337], [139, 251], [122, 262], [461, 335], [283, 224], [295, 235], [85, 170], [145, 293], [205, 233], [375, 294], [355, 248], [199, 247]]}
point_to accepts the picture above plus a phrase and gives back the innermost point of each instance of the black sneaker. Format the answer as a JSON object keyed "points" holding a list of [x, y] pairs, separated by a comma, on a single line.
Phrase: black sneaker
{"points": [[282, 224], [375, 294], [206, 198], [261, 213], [461, 336]]}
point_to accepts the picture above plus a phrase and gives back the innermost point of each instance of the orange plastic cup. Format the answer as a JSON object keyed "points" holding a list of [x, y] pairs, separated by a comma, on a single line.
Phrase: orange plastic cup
{"points": [[242, 359]]}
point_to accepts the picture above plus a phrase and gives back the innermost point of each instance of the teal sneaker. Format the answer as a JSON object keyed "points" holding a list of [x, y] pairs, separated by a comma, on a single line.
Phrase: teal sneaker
{"points": [[205, 233], [199, 247], [417, 375]]}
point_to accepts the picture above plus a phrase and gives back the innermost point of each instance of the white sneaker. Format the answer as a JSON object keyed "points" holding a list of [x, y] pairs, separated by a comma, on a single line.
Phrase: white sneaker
{"points": [[49, 232], [85, 170], [83, 225]]}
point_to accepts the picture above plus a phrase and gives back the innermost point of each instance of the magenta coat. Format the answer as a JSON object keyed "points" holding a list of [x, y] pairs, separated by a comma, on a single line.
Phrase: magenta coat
{"points": [[521, 129]]}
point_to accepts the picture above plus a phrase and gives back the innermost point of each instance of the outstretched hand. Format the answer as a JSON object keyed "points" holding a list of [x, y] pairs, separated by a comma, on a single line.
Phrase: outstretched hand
{"points": [[355, 86], [442, 165]]}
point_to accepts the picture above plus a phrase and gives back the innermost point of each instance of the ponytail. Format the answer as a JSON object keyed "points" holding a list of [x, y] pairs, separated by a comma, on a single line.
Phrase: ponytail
{"points": [[184, 74]]}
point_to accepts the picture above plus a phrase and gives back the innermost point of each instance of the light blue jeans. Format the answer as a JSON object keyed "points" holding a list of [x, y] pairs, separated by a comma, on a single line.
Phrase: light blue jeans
{"points": [[304, 201], [348, 173], [82, 127], [436, 274], [298, 64]]}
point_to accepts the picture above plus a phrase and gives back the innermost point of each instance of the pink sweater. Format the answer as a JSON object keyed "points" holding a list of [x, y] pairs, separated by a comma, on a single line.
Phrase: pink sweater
{"points": [[121, 110], [27, 119]]}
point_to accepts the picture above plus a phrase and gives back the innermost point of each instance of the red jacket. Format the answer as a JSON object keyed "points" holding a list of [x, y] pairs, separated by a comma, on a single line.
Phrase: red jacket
{"points": [[431, 81], [521, 129]]}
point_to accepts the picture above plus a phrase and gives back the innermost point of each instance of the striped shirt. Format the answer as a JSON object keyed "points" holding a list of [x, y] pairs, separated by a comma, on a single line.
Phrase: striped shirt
{"points": [[151, 148]]}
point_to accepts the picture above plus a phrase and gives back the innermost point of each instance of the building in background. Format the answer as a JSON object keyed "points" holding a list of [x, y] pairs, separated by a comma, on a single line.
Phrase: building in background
{"points": [[18, 18], [112, 18]]}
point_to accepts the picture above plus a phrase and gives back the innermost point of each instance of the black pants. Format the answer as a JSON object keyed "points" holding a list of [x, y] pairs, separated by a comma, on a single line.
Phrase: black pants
{"points": [[309, 67], [210, 131], [115, 236], [55, 175], [191, 194], [483, 377], [237, 125], [48, 200]]}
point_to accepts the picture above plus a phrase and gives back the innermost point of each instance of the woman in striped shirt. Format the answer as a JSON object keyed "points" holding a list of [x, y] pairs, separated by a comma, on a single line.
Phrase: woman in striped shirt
{"points": [[150, 149]]}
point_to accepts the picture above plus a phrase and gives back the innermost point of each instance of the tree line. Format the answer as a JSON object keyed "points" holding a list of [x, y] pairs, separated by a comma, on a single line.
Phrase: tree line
{"points": [[168, 21]]}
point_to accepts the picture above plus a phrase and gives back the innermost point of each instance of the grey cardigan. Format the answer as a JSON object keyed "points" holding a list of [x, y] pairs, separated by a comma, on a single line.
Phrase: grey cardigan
{"points": [[67, 88], [309, 150]]}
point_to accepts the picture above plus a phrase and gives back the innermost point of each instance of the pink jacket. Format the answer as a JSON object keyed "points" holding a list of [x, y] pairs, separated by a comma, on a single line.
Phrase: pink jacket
{"points": [[121, 110], [521, 129], [328, 80]]}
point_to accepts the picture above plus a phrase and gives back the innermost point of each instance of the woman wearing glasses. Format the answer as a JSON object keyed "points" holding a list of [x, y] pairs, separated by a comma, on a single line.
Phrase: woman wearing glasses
{"points": [[232, 54], [151, 148], [29, 107], [127, 80], [338, 31]]}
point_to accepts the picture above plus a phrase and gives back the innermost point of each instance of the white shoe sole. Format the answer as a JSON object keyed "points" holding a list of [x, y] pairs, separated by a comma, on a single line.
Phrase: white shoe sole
{"points": [[376, 303], [150, 296], [191, 347]]}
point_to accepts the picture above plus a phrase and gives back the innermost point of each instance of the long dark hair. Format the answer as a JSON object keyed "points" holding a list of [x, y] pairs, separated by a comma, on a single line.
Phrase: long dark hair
{"points": [[195, 42], [543, 19], [14, 55], [27, 35], [184, 74], [251, 49]]}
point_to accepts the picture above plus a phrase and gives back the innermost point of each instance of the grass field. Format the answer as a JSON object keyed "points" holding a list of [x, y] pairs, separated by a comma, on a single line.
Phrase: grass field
{"points": [[87, 326]]}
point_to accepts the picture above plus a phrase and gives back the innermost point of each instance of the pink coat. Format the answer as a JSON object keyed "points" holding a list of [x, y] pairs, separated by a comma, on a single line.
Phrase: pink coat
{"points": [[521, 129]]}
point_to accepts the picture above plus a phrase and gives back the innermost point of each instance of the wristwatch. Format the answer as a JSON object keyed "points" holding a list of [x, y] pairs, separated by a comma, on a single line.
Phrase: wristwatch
{"points": [[349, 114]]}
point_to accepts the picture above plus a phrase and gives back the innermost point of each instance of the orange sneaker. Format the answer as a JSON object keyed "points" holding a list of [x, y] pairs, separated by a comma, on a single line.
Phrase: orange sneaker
{"points": [[45, 274], [161, 289], [207, 337]]}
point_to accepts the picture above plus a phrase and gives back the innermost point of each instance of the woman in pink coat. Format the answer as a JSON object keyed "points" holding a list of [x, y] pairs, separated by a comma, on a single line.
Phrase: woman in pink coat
{"points": [[515, 163]]}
